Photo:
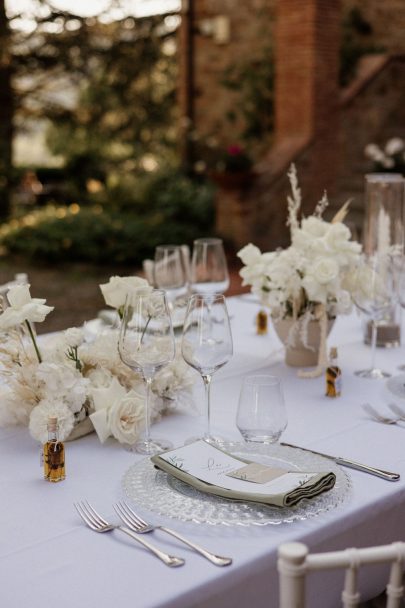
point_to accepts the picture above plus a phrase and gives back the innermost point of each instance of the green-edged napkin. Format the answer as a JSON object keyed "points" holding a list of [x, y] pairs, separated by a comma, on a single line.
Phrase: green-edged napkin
{"points": [[212, 470]]}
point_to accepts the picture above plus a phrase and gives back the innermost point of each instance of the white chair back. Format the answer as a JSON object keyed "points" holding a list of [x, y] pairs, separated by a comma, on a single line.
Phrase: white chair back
{"points": [[295, 561]]}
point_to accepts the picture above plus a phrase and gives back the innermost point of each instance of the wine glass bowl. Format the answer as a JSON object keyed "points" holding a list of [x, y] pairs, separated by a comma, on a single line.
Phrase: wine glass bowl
{"points": [[146, 345], [169, 271], [207, 346], [209, 268]]}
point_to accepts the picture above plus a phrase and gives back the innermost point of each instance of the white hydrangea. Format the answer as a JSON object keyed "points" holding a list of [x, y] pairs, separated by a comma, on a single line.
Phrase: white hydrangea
{"points": [[49, 408]]}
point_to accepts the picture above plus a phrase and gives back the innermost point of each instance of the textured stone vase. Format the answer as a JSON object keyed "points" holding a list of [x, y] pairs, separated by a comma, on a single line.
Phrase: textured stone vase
{"points": [[297, 354]]}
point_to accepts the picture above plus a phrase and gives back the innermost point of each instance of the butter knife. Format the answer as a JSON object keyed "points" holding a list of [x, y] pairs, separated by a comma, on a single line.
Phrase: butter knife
{"points": [[345, 462]]}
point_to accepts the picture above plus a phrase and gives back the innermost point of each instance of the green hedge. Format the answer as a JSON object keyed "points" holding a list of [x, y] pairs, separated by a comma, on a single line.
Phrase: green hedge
{"points": [[168, 208]]}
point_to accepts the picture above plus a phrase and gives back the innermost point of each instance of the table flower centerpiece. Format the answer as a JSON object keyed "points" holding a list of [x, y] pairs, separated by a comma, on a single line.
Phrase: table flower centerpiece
{"points": [[308, 284], [79, 380]]}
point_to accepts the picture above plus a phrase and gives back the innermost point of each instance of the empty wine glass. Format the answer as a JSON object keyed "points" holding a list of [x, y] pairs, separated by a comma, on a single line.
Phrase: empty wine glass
{"points": [[373, 295], [261, 415], [207, 346], [209, 268], [146, 344], [169, 272], [399, 274], [170, 275]]}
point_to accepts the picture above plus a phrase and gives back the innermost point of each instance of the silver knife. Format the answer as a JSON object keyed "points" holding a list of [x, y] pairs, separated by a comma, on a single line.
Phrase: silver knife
{"points": [[345, 462]]}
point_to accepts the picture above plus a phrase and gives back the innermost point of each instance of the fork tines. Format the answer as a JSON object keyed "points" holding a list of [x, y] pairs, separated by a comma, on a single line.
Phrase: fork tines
{"points": [[89, 515], [124, 511]]}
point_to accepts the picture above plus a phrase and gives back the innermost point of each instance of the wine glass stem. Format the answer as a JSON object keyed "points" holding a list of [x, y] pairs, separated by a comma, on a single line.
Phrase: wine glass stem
{"points": [[373, 342], [207, 384], [148, 383]]}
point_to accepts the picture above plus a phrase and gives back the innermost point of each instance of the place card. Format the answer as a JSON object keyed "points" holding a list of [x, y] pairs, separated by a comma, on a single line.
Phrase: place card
{"points": [[257, 473]]}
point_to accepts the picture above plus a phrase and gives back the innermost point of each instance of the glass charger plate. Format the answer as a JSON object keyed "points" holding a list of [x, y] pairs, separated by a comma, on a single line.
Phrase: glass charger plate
{"points": [[396, 385], [156, 491]]}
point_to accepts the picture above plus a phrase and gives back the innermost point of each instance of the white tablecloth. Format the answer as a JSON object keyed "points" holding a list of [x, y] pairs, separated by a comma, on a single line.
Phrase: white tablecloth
{"points": [[48, 555]]}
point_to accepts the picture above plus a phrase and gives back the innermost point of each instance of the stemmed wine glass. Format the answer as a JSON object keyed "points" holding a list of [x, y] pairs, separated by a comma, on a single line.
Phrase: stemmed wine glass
{"points": [[399, 269], [209, 269], [373, 295], [146, 344], [170, 275], [169, 272], [207, 346]]}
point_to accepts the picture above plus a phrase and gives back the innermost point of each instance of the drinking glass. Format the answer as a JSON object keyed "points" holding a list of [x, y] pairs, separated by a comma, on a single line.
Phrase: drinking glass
{"points": [[209, 269], [373, 295], [207, 346], [261, 415], [146, 344]]}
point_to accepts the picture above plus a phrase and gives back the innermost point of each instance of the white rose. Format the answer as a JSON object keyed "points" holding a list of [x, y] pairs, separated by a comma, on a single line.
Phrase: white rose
{"points": [[117, 289], [388, 163], [250, 254], [314, 226], [23, 308], [325, 270], [394, 146], [316, 292], [126, 418], [74, 336], [372, 151]]}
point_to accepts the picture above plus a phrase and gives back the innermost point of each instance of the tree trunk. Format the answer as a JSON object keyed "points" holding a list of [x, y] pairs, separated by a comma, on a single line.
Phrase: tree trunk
{"points": [[6, 114]]}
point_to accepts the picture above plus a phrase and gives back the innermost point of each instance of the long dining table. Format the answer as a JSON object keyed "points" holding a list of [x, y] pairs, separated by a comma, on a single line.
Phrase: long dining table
{"points": [[48, 556]]}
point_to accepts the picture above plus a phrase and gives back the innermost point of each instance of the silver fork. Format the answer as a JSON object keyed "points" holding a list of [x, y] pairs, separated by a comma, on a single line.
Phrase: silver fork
{"points": [[97, 523], [139, 526], [377, 416]]}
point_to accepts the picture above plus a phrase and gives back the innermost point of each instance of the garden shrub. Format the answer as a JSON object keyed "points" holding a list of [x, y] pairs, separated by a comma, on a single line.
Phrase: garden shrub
{"points": [[167, 208]]}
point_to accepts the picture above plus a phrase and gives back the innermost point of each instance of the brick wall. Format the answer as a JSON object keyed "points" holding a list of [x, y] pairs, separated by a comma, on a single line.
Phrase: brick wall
{"points": [[307, 124]]}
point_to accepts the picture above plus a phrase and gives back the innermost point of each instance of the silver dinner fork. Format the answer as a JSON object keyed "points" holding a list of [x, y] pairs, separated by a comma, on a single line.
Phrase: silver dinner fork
{"points": [[140, 526], [97, 523], [379, 417]]}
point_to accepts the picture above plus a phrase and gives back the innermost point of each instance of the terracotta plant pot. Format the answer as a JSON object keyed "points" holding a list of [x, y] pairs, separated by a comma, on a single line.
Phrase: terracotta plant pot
{"points": [[297, 354]]}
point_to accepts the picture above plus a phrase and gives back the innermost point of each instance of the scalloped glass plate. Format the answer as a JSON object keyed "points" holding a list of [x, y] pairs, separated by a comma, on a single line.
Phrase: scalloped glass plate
{"points": [[160, 493]]}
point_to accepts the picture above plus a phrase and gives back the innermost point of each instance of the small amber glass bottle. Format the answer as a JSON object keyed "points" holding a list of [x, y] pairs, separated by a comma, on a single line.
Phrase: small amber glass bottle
{"points": [[261, 323], [54, 454], [333, 375]]}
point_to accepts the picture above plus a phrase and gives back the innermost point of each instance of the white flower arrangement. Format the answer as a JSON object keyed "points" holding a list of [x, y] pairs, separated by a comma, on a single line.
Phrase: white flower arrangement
{"points": [[310, 280], [73, 378], [390, 157]]}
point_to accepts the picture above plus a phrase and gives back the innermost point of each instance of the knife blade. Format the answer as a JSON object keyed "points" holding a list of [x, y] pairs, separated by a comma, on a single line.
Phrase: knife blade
{"points": [[352, 464]]}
